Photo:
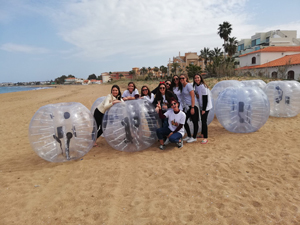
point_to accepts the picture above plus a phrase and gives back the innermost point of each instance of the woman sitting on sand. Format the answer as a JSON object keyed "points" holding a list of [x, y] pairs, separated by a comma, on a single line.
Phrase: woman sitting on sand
{"points": [[146, 94], [203, 96], [175, 129], [111, 99], [131, 93]]}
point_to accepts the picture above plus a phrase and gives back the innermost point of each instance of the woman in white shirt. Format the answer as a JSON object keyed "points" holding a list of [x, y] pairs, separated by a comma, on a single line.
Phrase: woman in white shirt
{"points": [[204, 98], [176, 87], [174, 131], [111, 99], [188, 100], [131, 93], [146, 94]]}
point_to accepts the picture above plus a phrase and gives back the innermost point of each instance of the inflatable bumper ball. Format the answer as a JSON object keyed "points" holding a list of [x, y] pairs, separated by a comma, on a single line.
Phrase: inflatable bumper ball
{"points": [[62, 132], [220, 86], [258, 83], [284, 98], [242, 109], [131, 126]]}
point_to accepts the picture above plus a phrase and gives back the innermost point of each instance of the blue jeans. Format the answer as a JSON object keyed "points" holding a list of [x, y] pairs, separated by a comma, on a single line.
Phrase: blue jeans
{"points": [[165, 131]]}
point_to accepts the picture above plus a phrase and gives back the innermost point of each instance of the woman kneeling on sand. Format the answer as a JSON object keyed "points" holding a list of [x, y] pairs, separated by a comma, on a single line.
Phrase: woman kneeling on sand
{"points": [[175, 130], [111, 99]]}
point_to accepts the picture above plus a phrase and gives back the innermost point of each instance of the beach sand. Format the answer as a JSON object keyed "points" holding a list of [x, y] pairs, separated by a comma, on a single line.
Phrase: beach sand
{"points": [[234, 179]]}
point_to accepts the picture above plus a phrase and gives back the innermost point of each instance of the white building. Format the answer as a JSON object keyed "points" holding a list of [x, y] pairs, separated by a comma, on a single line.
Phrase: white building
{"points": [[105, 77], [277, 62]]}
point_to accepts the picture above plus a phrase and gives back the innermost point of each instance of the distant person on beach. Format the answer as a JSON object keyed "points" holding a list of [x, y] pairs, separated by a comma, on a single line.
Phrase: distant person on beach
{"points": [[111, 99], [146, 94], [131, 93], [176, 87], [175, 130], [188, 100], [204, 98]]}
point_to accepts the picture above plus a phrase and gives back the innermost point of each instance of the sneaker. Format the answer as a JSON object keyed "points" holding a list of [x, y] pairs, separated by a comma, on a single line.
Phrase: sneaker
{"points": [[180, 144], [191, 140], [162, 147], [166, 141], [186, 138]]}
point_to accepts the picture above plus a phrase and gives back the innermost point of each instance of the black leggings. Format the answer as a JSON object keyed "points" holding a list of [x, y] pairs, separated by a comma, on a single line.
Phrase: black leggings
{"points": [[98, 117], [195, 119], [204, 123]]}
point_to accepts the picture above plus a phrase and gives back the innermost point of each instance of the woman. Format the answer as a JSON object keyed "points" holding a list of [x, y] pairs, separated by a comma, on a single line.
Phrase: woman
{"points": [[131, 92], [205, 103], [175, 130], [111, 99], [166, 82], [146, 94], [176, 87], [168, 85], [188, 100], [163, 97]]}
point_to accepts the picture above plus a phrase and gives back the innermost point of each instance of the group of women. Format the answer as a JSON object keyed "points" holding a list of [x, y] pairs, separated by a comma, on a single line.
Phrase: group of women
{"points": [[175, 101]]}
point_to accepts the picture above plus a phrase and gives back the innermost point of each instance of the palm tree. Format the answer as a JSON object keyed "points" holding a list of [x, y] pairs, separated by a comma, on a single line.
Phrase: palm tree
{"points": [[224, 31], [175, 65], [231, 46], [144, 70], [204, 54]]}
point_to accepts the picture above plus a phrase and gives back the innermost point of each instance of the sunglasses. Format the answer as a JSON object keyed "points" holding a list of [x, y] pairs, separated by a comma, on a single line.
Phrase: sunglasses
{"points": [[182, 78], [173, 103], [161, 88], [176, 79], [145, 89], [168, 84]]}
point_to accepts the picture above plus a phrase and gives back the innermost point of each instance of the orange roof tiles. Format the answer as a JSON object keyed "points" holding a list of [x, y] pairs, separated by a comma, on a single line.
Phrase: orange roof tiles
{"points": [[276, 49], [294, 60]]}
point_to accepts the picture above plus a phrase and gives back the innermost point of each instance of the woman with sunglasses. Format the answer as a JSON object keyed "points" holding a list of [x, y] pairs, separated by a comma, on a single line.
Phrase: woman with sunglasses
{"points": [[188, 99], [176, 87], [204, 98], [131, 93], [111, 99], [146, 94], [166, 82], [174, 131]]}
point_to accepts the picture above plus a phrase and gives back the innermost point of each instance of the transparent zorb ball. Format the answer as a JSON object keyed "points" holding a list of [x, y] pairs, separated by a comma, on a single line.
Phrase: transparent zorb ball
{"points": [[62, 132], [242, 109], [131, 125], [284, 98], [258, 83]]}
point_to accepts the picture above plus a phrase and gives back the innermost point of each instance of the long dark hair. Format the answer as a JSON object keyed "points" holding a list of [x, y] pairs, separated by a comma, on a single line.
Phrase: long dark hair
{"points": [[119, 92], [201, 81], [134, 87], [168, 94], [149, 92], [174, 85]]}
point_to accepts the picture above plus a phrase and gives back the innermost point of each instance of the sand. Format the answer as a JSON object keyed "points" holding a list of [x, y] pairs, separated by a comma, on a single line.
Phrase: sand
{"points": [[234, 179]]}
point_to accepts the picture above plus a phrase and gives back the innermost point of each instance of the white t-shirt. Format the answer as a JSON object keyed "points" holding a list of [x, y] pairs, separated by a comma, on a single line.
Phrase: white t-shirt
{"points": [[186, 96], [126, 93], [202, 90], [177, 92], [148, 98], [175, 119]]}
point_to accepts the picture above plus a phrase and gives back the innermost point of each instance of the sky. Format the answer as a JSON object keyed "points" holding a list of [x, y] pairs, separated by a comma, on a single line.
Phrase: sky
{"points": [[42, 40]]}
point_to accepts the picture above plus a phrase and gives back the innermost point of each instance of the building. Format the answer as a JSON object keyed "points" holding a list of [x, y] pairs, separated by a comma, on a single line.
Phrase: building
{"points": [[70, 80], [105, 77], [266, 39], [274, 61], [184, 61]]}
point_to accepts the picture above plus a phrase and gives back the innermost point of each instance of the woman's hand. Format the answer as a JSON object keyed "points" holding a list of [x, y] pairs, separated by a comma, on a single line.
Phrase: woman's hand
{"points": [[192, 111], [197, 95], [165, 107], [158, 106], [170, 134], [203, 112]]}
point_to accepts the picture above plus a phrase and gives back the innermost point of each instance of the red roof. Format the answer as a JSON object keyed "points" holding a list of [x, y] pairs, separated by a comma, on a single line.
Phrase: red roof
{"points": [[276, 49], [293, 59]]}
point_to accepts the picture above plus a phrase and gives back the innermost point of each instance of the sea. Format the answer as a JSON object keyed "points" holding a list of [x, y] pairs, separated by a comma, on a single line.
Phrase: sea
{"points": [[19, 88]]}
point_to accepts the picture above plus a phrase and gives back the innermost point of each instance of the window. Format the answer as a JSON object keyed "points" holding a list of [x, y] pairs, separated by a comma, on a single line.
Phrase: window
{"points": [[253, 60], [274, 75], [291, 75]]}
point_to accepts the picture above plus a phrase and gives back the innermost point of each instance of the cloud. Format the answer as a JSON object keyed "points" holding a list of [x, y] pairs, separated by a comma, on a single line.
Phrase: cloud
{"points": [[144, 28], [10, 47]]}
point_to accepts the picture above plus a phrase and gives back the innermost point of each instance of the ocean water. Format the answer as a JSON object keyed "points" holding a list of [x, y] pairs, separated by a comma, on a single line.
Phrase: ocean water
{"points": [[19, 88]]}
